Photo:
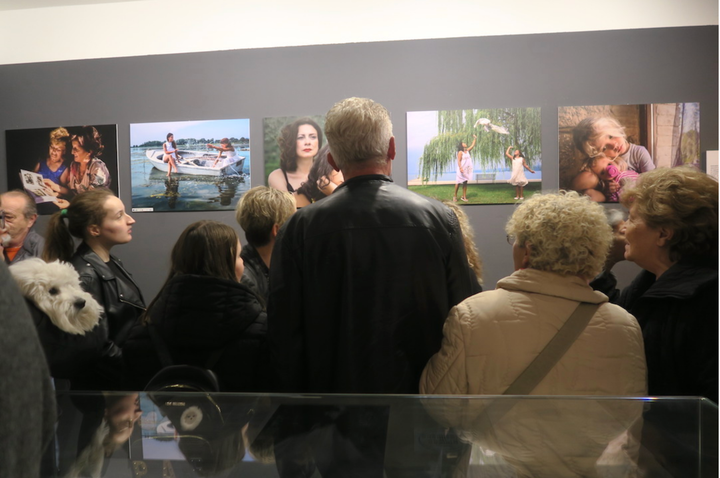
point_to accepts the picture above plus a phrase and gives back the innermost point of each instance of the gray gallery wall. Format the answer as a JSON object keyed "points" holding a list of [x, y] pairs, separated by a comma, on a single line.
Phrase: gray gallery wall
{"points": [[546, 71]]}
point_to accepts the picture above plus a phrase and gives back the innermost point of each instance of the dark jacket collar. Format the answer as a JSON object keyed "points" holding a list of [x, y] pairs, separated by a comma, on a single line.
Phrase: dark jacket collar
{"points": [[107, 274], [357, 180], [96, 262], [683, 279], [250, 254]]}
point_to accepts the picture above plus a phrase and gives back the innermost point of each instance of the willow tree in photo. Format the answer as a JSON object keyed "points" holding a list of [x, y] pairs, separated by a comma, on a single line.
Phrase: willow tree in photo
{"points": [[522, 125]]}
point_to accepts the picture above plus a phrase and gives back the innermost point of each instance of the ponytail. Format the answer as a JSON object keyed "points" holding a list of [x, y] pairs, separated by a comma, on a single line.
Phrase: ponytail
{"points": [[85, 209], [59, 244]]}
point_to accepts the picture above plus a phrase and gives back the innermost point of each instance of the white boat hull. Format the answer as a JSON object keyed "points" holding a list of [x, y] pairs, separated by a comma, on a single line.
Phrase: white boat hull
{"points": [[198, 163]]}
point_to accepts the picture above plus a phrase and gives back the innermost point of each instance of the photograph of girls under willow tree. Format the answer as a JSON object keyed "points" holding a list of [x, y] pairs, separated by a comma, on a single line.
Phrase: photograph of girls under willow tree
{"points": [[488, 156]]}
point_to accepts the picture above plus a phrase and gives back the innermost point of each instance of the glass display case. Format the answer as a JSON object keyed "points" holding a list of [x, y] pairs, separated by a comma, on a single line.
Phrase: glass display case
{"points": [[153, 434]]}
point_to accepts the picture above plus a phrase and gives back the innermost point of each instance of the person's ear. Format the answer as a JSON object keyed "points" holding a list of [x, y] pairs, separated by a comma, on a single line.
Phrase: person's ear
{"points": [[274, 231], [391, 149], [93, 230], [664, 236], [331, 160], [32, 220], [526, 255]]}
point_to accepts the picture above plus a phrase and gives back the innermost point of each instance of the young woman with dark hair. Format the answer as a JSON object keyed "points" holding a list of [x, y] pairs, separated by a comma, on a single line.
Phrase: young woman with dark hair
{"points": [[203, 314]]}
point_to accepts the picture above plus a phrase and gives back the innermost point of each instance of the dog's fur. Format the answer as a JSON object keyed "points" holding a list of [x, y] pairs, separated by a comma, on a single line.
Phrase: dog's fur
{"points": [[55, 289]]}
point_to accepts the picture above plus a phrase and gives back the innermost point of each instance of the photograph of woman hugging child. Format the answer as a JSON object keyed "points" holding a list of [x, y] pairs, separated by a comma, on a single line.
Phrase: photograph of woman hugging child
{"points": [[611, 163]]}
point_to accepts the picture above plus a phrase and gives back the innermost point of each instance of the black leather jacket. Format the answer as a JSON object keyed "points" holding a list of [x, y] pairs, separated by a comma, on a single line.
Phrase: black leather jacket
{"points": [[360, 285], [122, 303]]}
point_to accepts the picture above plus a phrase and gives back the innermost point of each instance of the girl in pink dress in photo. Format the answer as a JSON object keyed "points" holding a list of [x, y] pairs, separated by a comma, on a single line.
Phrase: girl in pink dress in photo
{"points": [[518, 178], [464, 169]]}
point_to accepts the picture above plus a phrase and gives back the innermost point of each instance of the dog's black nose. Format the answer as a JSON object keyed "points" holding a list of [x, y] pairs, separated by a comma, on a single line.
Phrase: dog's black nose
{"points": [[80, 303]]}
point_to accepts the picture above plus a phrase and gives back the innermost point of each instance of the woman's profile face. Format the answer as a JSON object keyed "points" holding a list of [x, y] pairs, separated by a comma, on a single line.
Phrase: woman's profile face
{"points": [[641, 240], [307, 144], [79, 153], [116, 227], [516, 153], [57, 150]]}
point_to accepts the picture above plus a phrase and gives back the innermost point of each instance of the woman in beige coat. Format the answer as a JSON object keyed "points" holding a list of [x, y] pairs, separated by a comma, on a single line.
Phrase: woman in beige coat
{"points": [[559, 242]]}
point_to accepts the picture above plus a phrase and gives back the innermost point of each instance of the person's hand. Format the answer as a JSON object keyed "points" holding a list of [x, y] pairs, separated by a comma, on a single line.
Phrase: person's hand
{"points": [[61, 203], [52, 185], [475, 136], [612, 186]]}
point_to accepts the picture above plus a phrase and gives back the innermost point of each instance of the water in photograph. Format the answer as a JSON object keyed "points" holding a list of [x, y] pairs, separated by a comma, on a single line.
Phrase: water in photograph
{"points": [[153, 191]]}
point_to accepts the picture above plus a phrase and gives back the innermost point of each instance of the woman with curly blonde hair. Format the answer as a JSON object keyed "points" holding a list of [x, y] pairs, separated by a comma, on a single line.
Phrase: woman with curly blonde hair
{"points": [[672, 233], [559, 242], [468, 234]]}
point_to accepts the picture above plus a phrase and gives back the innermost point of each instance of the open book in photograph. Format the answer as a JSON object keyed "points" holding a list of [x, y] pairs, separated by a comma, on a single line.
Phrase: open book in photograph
{"points": [[34, 185]]}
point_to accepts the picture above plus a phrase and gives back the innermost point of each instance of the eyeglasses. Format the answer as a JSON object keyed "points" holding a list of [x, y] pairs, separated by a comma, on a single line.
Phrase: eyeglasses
{"points": [[510, 239]]}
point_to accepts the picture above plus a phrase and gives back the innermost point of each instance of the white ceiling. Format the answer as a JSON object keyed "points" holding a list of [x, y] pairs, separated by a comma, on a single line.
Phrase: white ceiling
{"points": [[56, 30], [27, 4]]}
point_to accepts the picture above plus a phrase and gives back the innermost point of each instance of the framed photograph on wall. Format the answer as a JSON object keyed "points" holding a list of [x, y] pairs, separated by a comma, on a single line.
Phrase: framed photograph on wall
{"points": [[479, 156], [604, 148], [296, 157], [189, 165], [54, 164]]}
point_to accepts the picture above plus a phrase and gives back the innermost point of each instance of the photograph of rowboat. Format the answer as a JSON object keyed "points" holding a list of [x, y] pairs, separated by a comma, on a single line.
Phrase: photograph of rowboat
{"points": [[189, 165]]}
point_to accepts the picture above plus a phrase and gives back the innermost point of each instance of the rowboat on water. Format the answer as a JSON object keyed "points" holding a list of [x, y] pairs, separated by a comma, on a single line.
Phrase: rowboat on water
{"points": [[198, 163]]}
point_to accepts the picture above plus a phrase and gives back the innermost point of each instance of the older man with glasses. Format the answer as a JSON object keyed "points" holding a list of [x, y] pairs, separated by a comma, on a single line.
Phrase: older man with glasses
{"points": [[19, 241]]}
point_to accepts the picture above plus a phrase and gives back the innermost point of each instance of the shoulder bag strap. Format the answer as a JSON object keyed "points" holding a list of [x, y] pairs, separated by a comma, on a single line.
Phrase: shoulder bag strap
{"points": [[554, 350], [543, 363]]}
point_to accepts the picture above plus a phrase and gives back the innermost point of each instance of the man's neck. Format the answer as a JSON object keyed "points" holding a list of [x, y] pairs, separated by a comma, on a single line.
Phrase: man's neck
{"points": [[367, 169]]}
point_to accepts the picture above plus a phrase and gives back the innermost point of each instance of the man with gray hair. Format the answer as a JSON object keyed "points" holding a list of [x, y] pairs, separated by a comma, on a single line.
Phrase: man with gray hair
{"points": [[20, 242], [361, 281]]}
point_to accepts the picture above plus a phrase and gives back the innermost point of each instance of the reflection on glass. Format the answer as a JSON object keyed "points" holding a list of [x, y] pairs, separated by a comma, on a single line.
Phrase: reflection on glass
{"points": [[185, 434]]}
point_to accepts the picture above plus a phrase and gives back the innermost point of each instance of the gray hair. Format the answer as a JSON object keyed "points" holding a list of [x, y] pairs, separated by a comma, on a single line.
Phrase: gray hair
{"points": [[30, 208], [568, 232], [358, 131]]}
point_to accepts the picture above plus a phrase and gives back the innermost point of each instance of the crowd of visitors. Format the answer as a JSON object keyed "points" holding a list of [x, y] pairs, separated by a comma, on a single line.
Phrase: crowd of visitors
{"points": [[376, 289]]}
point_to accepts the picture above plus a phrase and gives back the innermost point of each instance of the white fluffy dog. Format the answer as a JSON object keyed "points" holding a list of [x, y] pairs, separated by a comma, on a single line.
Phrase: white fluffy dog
{"points": [[55, 289]]}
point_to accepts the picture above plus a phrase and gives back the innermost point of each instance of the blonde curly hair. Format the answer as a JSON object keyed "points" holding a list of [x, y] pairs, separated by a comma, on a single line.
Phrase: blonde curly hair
{"points": [[468, 234], [682, 199], [569, 234]]}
